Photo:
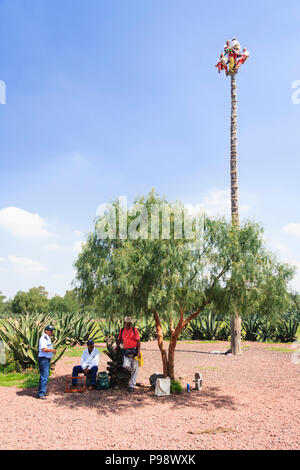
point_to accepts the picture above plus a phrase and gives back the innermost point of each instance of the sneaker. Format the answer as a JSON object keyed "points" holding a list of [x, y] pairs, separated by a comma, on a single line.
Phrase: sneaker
{"points": [[42, 397], [131, 389]]}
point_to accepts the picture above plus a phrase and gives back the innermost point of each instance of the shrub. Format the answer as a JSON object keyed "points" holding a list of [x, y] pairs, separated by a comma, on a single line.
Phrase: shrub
{"points": [[176, 387]]}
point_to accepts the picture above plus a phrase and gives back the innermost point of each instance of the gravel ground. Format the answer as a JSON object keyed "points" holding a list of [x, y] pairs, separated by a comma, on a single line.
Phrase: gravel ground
{"points": [[247, 402]]}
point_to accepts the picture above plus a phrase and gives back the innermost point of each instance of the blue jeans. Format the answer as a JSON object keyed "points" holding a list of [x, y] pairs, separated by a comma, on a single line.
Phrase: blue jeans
{"points": [[44, 366], [79, 370]]}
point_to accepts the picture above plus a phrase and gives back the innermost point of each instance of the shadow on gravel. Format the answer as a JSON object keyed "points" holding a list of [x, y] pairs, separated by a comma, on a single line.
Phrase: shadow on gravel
{"points": [[116, 400], [221, 353]]}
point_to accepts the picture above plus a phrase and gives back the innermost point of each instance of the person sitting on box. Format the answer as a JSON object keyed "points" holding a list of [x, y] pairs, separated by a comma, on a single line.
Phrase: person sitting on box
{"points": [[89, 364], [130, 338]]}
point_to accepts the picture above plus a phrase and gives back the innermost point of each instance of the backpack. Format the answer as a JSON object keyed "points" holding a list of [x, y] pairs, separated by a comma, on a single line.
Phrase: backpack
{"points": [[103, 381]]}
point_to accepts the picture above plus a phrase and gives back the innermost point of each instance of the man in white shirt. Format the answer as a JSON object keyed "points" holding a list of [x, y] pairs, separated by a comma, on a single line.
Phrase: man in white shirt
{"points": [[46, 352], [89, 363]]}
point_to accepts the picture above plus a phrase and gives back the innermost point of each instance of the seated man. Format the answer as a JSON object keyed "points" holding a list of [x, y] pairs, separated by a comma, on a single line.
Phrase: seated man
{"points": [[89, 363], [130, 338]]}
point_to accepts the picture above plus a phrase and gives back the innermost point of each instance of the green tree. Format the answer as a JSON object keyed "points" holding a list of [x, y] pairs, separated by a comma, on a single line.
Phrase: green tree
{"points": [[174, 280], [3, 304], [35, 300], [66, 304]]}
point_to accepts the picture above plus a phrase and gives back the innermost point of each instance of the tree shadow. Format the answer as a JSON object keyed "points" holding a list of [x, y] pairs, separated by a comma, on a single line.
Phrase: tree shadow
{"points": [[114, 401], [197, 352]]}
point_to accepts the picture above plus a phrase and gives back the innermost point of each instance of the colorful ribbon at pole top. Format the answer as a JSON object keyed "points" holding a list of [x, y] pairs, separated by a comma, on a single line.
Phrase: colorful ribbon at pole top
{"points": [[232, 58]]}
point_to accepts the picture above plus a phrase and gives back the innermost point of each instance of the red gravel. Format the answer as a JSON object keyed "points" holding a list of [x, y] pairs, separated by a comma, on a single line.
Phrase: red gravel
{"points": [[247, 402]]}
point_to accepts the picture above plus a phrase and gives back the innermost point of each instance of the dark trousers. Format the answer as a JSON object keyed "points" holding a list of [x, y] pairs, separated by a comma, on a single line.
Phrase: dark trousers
{"points": [[44, 367], [79, 370]]}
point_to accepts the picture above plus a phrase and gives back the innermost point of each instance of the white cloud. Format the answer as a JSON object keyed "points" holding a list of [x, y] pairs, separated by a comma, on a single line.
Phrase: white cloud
{"points": [[26, 264], [219, 203], [23, 223], [292, 229]]}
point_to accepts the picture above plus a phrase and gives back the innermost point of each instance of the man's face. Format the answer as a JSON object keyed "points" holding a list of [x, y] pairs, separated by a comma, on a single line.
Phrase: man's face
{"points": [[128, 325], [90, 347], [49, 332]]}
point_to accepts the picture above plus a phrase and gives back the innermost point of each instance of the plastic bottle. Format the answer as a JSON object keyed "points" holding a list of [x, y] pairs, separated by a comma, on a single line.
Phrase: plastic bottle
{"points": [[188, 387]]}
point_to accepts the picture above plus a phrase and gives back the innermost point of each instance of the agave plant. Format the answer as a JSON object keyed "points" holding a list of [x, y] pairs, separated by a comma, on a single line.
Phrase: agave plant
{"points": [[111, 328], [205, 327], [21, 336], [286, 330], [266, 330], [147, 330], [118, 376], [252, 327], [80, 328], [223, 332]]}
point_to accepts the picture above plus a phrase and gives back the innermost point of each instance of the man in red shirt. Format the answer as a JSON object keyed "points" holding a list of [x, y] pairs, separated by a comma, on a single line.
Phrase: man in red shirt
{"points": [[130, 338]]}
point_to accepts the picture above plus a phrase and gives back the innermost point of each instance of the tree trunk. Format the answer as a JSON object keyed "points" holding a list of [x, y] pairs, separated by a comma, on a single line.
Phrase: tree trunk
{"points": [[236, 343], [233, 155], [160, 340], [236, 339]]}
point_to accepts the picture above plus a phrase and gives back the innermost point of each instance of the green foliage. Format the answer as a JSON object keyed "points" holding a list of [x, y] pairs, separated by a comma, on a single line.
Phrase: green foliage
{"points": [[21, 380], [80, 328], [146, 329], [176, 387], [35, 300], [210, 326], [282, 330], [252, 325], [111, 328], [227, 266], [10, 364], [118, 376], [175, 278], [286, 330], [21, 336]]}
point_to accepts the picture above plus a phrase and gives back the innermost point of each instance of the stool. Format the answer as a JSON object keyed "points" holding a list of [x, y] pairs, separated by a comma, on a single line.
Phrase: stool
{"points": [[77, 389]]}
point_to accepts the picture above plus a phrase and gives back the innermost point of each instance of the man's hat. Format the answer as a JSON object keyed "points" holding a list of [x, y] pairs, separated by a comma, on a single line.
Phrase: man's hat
{"points": [[127, 320], [90, 341], [49, 328]]}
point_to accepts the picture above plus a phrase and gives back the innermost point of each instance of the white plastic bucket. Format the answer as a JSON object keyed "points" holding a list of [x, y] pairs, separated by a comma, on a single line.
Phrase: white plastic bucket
{"points": [[163, 387]]}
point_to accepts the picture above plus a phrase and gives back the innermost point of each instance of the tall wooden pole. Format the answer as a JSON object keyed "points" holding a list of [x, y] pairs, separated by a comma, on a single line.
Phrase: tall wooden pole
{"points": [[236, 341]]}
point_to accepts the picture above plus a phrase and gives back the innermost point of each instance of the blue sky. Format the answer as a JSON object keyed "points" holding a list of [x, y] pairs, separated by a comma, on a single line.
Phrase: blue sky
{"points": [[114, 98]]}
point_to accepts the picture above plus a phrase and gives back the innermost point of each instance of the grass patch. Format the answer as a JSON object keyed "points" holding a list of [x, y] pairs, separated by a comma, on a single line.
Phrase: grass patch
{"points": [[76, 351], [273, 348], [20, 380], [208, 368], [212, 431]]}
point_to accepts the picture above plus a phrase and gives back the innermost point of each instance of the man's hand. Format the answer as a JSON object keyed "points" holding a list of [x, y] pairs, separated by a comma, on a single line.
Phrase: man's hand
{"points": [[54, 351], [86, 371]]}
